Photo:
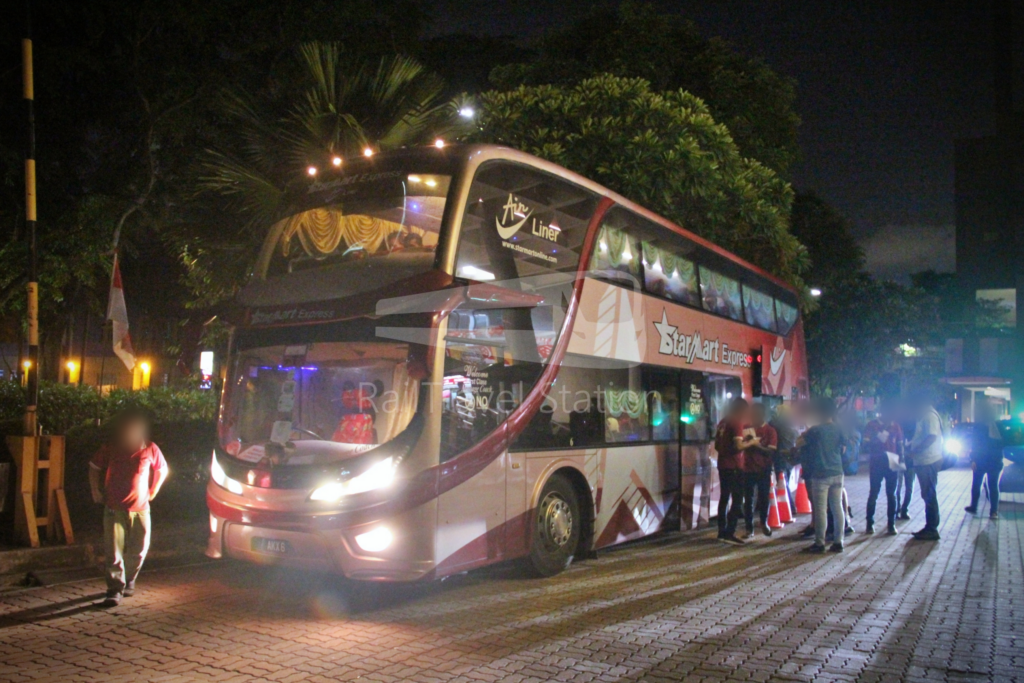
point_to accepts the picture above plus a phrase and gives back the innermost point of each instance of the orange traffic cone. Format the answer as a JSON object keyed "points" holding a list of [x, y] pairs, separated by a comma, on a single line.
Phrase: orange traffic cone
{"points": [[782, 497], [773, 511], [803, 502]]}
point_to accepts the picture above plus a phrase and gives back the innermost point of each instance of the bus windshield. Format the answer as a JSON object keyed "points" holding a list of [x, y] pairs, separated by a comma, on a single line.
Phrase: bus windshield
{"points": [[317, 403], [394, 216]]}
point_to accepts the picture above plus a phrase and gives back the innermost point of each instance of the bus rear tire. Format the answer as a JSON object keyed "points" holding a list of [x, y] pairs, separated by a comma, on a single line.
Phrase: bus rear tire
{"points": [[557, 523]]}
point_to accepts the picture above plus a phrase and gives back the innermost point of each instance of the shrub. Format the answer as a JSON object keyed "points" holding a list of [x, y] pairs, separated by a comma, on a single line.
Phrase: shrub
{"points": [[64, 406]]}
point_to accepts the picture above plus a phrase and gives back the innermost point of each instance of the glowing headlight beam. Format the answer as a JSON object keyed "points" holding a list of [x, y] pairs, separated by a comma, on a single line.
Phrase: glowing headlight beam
{"points": [[379, 476]]}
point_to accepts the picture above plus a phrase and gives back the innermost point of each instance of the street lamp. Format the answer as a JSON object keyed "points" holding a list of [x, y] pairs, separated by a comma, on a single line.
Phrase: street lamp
{"points": [[140, 377], [815, 292], [73, 369]]}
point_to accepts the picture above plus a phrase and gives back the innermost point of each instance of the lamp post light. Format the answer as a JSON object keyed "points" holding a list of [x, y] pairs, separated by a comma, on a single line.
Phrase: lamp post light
{"points": [[73, 371]]}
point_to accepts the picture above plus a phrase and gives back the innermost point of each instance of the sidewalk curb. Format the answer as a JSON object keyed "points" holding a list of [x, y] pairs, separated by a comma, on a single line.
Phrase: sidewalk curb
{"points": [[17, 564]]}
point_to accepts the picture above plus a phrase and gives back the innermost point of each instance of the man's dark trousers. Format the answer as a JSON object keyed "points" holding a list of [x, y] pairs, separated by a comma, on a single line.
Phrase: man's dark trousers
{"points": [[880, 472], [732, 487], [761, 482], [928, 479]]}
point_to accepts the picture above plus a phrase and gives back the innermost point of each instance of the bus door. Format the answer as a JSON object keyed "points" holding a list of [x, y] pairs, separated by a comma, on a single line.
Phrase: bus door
{"points": [[470, 515], [492, 361], [695, 433]]}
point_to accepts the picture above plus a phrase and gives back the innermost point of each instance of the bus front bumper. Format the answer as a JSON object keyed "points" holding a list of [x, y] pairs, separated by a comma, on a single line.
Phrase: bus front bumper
{"points": [[369, 551]]}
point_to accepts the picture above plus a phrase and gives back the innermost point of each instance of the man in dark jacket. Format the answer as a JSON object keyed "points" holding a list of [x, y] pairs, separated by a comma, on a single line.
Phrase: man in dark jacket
{"points": [[821, 456], [882, 436], [986, 458]]}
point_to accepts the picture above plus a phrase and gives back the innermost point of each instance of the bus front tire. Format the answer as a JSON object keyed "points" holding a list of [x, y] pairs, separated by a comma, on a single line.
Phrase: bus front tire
{"points": [[556, 528]]}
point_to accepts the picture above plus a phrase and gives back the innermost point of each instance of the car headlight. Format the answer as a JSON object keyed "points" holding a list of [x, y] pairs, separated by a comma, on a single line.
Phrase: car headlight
{"points": [[379, 476], [955, 446], [222, 479]]}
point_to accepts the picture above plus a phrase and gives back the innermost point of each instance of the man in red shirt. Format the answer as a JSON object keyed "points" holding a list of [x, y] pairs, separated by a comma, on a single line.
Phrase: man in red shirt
{"points": [[757, 470], [733, 438], [125, 474], [882, 436]]}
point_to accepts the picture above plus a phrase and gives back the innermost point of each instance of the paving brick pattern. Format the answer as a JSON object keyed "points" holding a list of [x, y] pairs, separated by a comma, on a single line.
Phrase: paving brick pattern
{"points": [[677, 608]]}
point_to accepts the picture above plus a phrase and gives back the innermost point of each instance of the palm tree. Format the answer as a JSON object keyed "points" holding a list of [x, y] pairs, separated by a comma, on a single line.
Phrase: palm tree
{"points": [[342, 106], [331, 104]]}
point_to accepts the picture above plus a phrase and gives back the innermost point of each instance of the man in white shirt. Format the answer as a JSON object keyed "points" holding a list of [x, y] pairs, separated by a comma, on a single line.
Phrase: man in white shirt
{"points": [[926, 450]]}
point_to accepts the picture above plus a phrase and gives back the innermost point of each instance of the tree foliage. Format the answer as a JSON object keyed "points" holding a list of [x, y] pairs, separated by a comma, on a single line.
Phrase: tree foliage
{"points": [[856, 333], [662, 150], [124, 99], [754, 102], [331, 104], [834, 252], [854, 337]]}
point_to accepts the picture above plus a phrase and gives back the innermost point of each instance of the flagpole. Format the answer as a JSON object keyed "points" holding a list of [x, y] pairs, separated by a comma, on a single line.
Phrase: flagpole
{"points": [[32, 371]]}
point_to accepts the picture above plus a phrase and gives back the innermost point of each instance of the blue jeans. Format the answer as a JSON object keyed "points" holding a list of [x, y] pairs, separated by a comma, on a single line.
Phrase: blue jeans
{"points": [[827, 492]]}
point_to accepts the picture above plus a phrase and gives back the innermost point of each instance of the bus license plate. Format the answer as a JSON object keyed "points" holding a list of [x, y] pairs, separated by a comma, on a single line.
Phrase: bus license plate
{"points": [[273, 546]]}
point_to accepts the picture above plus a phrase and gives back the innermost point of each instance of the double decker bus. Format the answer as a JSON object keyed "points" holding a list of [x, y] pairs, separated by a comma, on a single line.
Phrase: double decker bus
{"points": [[452, 357]]}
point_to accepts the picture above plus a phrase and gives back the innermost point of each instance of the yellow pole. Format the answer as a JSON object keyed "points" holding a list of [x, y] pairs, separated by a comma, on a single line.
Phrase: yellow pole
{"points": [[32, 371]]}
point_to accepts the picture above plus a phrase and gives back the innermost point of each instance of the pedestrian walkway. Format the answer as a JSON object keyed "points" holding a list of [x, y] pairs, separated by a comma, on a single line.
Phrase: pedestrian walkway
{"points": [[676, 608]]}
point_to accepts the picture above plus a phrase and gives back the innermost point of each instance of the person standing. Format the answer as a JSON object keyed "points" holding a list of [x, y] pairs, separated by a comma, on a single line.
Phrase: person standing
{"points": [[733, 437], [926, 450], [882, 436], [757, 471], [125, 474], [986, 458], [821, 456]]}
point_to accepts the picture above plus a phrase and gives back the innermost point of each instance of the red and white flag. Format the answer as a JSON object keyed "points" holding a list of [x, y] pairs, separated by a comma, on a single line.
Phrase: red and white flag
{"points": [[117, 314]]}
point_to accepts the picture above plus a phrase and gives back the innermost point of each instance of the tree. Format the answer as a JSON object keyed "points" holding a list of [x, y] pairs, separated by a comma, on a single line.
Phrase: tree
{"points": [[861, 328], [834, 253], [662, 150], [635, 41], [331, 104], [858, 332], [124, 99]]}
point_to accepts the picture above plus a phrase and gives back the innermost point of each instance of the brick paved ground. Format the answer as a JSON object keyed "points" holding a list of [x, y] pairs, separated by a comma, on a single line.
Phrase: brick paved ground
{"points": [[679, 608]]}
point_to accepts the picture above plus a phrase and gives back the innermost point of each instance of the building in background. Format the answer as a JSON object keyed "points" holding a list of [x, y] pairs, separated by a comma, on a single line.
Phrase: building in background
{"points": [[990, 235]]}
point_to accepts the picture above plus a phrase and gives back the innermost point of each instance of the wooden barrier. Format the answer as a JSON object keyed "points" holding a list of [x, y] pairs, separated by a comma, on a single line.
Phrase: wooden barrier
{"points": [[39, 499]]}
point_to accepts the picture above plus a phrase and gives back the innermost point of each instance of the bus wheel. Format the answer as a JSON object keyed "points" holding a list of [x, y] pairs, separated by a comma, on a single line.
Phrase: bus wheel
{"points": [[556, 527]]}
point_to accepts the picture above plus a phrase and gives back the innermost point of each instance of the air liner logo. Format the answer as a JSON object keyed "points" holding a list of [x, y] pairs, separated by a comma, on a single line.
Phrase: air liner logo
{"points": [[692, 347], [514, 209]]}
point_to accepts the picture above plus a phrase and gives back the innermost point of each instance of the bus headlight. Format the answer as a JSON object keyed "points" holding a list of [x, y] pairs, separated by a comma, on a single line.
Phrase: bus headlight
{"points": [[955, 447], [222, 479], [378, 476]]}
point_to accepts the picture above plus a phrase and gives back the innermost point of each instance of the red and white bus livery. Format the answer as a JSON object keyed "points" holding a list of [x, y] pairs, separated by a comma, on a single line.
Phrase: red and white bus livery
{"points": [[452, 357]]}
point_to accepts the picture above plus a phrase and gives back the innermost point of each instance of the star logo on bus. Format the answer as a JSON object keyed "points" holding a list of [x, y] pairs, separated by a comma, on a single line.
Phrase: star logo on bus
{"points": [[668, 334]]}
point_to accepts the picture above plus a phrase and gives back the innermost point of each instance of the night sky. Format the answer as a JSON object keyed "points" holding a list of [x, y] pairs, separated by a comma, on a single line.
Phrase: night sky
{"points": [[884, 89]]}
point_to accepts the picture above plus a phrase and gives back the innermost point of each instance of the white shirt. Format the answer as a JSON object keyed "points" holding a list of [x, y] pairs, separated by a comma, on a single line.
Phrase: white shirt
{"points": [[927, 426]]}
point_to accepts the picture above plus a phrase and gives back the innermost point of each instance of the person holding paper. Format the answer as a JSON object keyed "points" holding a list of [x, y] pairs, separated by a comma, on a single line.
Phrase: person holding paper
{"points": [[883, 440]]}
